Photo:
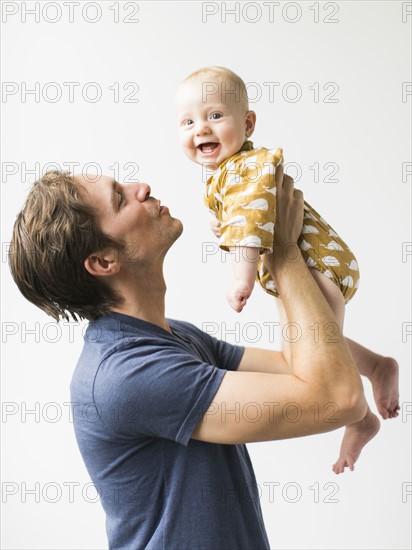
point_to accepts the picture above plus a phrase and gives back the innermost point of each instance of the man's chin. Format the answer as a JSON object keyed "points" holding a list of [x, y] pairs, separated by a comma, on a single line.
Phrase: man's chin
{"points": [[179, 228], [174, 230]]}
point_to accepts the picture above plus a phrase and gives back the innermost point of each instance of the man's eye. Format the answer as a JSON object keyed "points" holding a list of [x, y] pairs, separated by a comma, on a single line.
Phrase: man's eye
{"points": [[121, 198], [215, 116]]}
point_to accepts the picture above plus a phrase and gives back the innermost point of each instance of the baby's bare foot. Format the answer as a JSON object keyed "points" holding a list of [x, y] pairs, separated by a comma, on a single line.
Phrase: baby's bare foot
{"points": [[355, 438], [384, 381]]}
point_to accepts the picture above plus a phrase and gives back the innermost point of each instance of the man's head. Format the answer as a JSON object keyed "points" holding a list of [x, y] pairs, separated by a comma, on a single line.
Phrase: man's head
{"points": [[76, 234], [213, 115]]}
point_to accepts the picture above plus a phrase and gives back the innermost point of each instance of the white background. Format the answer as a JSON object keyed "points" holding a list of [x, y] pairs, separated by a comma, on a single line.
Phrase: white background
{"points": [[365, 52]]}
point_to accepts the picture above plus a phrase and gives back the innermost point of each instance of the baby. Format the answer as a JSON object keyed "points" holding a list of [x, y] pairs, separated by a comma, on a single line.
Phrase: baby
{"points": [[215, 125]]}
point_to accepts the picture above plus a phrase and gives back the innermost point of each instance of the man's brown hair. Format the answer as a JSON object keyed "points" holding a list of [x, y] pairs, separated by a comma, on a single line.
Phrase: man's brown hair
{"points": [[52, 236]]}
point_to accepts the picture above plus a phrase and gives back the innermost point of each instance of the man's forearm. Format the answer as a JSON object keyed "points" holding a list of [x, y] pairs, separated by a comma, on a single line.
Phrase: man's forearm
{"points": [[325, 360]]}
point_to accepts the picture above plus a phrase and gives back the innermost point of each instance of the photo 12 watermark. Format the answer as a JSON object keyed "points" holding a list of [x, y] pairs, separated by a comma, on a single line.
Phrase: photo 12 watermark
{"points": [[406, 331], [69, 92], [253, 332], [406, 91], [69, 12], [92, 171], [314, 172], [271, 92], [52, 412], [271, 492], [62, 492], [271, 12], [51, 492], [406, 171], [406, 491], [252, 412]]}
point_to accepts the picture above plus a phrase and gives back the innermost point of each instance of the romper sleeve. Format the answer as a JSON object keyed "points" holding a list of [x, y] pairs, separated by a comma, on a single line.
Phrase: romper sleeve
{"points": [[248, 201]]}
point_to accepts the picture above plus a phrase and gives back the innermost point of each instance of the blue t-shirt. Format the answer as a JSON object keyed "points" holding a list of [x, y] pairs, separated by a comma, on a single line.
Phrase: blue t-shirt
{"points": [[137, 394]]}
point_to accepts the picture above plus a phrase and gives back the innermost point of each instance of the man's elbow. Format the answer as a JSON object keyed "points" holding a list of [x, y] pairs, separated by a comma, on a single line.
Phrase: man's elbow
{"points": [[346, 392]]}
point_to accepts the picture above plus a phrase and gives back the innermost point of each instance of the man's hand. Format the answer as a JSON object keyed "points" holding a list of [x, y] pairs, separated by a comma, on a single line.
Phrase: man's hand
{"points": [[289, 219]]}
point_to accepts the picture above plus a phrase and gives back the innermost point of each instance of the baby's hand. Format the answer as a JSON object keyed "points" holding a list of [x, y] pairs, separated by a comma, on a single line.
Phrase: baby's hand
{"points": [[214, 226], [238, 295]]}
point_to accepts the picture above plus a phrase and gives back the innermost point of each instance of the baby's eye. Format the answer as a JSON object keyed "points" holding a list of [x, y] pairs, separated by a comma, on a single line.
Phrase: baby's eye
{"points": [[188, 122], [215, 116]]}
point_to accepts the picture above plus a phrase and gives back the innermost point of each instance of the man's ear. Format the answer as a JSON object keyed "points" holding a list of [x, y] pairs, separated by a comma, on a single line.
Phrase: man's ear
{"points": [[103, 263], [250, 121]]}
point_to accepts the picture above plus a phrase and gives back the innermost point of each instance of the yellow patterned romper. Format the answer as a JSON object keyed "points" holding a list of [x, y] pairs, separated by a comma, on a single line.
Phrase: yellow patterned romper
{"points": [[241, 194]]}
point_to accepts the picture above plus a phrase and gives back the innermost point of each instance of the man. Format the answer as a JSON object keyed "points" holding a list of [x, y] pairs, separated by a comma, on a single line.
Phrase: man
{"points": [[161, 410]]}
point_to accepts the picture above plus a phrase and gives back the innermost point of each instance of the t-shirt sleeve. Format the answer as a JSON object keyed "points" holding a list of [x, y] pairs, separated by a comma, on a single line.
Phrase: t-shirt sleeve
{"points": [[227, 356], [159, 392]]}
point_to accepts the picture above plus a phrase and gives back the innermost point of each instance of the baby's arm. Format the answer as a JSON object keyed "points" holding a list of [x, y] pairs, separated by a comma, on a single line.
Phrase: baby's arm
{"points": [[245, 261], [245, 266], [247, 211]]}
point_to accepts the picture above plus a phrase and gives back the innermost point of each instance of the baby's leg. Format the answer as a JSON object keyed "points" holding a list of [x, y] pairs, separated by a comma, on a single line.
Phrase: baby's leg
{"points": [[356, 435], [381, 371], [383, 375]]}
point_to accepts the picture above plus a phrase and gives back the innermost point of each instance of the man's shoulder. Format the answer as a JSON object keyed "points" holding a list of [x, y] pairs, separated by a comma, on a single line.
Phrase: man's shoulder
{"points": [[114, 352], [114, 337], [116, 327], [115, 334], [184, 325]]}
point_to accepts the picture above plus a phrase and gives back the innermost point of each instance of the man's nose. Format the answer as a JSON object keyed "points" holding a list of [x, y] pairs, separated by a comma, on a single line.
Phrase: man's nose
{"points": [[144, 191], [140, 190]]}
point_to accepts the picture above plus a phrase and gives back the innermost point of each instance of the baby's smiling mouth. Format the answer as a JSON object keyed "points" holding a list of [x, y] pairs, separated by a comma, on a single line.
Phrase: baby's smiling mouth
{"points": [[208, 147]]}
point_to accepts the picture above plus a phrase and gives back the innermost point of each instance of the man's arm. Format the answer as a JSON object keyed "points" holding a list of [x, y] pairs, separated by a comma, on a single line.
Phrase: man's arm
{"points": [[323, 391], [264, 360]]}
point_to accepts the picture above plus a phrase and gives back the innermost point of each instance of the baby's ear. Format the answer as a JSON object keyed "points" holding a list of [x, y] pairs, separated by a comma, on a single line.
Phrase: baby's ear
{"points": [[250, 121]]}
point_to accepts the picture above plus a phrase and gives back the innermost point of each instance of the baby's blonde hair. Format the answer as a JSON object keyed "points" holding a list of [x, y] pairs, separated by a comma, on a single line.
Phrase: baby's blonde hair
{"points": [[236, 89]]}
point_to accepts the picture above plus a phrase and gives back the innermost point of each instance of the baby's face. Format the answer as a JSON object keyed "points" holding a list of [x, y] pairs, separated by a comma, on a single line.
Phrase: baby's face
{"points": [[211, 130]]}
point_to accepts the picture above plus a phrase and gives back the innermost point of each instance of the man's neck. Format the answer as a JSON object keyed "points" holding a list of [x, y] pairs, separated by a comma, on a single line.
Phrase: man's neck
{"points": [[144, 295]]}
